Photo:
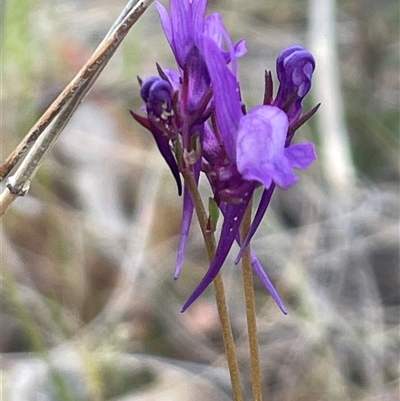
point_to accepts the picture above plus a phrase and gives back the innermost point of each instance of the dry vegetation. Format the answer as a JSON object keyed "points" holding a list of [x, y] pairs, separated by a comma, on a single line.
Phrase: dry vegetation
{"points": [[89, 307]]}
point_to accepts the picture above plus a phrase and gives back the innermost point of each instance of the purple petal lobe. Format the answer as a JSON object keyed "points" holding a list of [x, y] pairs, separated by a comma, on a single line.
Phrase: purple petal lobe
{"points": [[226, 96], [199, 82], [165, 149], [263, 276], [184, 26], [301, 155], [260, 147], [157, 94], [240, 48], [166, 24], [185, 227], [267, 283], [181, 29], [295, 67], [211, 146], [174, 78], [146, 86], [262, 208], [215, 30]]}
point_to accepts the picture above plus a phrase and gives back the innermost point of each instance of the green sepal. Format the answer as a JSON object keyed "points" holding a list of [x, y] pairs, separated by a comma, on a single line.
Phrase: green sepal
{"points": [[213, 214], [178, 150]]}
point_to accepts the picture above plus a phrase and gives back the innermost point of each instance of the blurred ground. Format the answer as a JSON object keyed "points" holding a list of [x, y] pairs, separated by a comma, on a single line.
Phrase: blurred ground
{"points": [[89, 307]]}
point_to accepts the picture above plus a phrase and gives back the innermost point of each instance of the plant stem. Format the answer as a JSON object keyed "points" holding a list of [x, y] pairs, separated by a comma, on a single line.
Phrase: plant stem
{"points": [[251, 310], [226, 328], [62, 109]]}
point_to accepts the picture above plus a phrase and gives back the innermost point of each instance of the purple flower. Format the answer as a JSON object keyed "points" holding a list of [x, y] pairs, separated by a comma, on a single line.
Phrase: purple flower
{"points": [[183, 26], [198, 121], [261, 152], [294, 68], [186, 26], [186, 29], [157, 93], [256, 153]]}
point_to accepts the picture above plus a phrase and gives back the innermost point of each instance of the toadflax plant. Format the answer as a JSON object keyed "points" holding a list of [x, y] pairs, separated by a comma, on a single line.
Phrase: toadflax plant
{"points": [[200, 124]]}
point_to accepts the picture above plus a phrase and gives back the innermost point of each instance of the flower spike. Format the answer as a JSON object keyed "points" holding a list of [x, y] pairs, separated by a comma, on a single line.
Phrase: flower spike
{"points": [[200, 124]]}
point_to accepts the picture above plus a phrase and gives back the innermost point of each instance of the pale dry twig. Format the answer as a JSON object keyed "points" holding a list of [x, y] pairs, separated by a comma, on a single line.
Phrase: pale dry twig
{"points": [[45, 132]]}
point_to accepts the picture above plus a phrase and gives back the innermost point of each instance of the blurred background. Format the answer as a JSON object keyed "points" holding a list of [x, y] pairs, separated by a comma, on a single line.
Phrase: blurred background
{"points": [[89, 307]]}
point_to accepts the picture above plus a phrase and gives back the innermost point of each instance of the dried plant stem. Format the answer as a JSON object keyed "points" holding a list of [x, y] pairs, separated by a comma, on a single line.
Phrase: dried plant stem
{"points": [[229, 343], [6, 198], [52, 122], [227, 335], [251, 310]]}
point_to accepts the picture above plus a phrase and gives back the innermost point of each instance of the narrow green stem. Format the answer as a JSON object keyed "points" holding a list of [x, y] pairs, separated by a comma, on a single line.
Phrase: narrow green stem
{"points": [[251, 310], [227, 335]]}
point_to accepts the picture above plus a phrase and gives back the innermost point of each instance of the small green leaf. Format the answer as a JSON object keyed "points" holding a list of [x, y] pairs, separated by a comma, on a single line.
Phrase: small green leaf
{"points": [[213, 211], [178, 150], [195, 145]]}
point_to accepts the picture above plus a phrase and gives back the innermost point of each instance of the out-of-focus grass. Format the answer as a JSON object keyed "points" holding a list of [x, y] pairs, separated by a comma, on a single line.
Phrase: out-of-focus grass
{"points": [[20, 52], [89, 307]]}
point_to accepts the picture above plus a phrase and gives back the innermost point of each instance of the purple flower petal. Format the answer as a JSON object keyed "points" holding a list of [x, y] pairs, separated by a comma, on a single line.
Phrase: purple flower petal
{"points": [[215, 30], [164, 147], [294, 68], [174, 78], [240, 48], [211, 146], [166, 24], [187, 215], [256, 265], [262, 208], [146, 87], [267, 283], [199, 82], [226, 97], [165, 150], [301, 155], [157, 94], [260, 147], [184, 25]]}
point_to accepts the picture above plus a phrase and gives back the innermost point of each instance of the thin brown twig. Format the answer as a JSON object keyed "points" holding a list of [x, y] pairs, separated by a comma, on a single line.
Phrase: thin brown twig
{"points": [[251, 310], [94, 65], [6, 198]]}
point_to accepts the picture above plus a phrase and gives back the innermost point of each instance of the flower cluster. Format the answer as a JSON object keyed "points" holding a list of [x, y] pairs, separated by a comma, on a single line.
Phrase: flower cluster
{"points": [[200, 124]]}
